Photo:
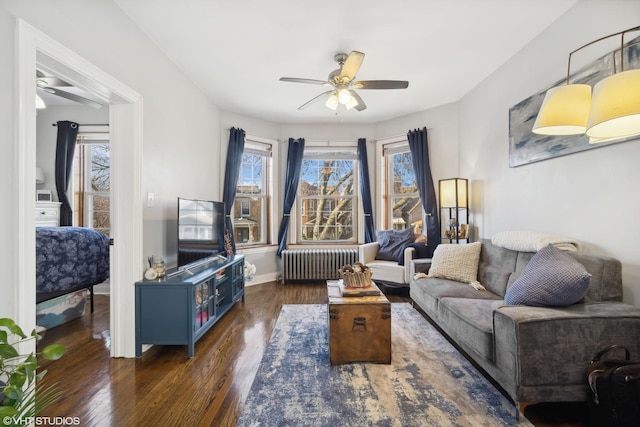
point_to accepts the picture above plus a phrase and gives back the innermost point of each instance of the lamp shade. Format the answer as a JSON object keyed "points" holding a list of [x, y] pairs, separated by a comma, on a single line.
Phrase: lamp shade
{"points": [[353, 102], [344, 96], [615, 107], [453, 193], [564, 111], [332, 102], [39, 176]]}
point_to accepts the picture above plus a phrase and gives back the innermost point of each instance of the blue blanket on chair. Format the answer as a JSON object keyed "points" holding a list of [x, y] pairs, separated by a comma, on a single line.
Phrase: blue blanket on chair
{"points": [[421, 251]]}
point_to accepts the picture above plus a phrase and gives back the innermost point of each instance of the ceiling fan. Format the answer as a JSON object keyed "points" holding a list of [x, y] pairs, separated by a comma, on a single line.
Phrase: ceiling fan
{"points": [[341, 82], [52, 86]]}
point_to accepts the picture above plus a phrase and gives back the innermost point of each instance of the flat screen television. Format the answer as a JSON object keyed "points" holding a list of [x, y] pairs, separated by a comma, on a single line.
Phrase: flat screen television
{"points": [[200, 230]]}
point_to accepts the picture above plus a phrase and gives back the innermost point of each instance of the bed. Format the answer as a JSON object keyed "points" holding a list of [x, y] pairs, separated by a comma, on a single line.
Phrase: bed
{"points": [[69, 259]]}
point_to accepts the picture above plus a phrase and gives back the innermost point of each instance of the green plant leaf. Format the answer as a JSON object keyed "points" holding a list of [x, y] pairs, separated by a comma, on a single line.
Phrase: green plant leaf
{"points": [[7, 351], [27, 404], [18, 378], [7, 411], [13, 392], [53, 351], [36, 335], [46, 395], [18, 396], [11, 326]]}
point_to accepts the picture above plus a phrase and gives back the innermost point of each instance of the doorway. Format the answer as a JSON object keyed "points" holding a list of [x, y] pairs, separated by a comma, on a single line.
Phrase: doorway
{"points": [[38, 51]]}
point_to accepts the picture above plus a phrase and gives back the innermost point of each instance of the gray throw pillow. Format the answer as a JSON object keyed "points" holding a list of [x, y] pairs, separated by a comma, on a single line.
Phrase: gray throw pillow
{"points": [[392, 243], [552, 278]]}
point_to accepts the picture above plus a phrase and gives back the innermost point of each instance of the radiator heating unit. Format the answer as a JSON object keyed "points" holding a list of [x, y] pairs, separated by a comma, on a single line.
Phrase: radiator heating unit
{"points": [[316, 264]]}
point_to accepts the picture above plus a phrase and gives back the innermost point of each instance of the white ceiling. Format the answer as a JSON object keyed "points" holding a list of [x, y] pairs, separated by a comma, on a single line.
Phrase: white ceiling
{"points": [[236, 51]]}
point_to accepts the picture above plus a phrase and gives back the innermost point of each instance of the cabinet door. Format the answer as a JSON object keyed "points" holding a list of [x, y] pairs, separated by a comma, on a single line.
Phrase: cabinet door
{"points": [[202, 305], [163, 314]]}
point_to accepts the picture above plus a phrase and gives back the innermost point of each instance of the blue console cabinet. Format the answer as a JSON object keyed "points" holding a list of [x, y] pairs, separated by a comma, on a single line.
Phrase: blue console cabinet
{"points": [[181, 308]]}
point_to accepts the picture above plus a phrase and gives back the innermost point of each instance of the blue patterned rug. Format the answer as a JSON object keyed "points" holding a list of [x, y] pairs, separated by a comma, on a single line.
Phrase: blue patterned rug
{"points": [[429, 383]]}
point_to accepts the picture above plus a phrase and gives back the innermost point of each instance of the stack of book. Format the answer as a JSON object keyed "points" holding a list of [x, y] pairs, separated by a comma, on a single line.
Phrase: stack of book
{"points": [[349, 291]]}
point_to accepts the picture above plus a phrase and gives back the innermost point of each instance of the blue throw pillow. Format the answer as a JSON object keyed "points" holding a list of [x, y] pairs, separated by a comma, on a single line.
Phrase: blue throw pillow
{"points": [[422, 250], [552, 278], [392, 243]]}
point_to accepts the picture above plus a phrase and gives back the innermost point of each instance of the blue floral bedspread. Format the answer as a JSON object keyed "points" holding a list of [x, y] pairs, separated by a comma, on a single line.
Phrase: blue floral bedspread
{"points": [[70, 258]]}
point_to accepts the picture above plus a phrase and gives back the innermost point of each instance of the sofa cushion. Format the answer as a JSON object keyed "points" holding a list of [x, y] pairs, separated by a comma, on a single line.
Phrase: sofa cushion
{"points": [[552, 278], [496, 267], [427, 293], [457, 262], [470, 322], [392, 243]]}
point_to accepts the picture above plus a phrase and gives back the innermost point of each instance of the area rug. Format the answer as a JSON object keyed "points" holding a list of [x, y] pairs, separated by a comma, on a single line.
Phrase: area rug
{"points": [[428, 383]]}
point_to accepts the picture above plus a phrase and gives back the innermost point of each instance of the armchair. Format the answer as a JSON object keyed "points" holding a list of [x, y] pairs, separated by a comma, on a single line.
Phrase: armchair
{"points": [[386, 271]]}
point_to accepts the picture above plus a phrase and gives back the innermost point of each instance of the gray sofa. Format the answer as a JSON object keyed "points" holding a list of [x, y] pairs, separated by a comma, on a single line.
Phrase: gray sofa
{"points": [[535, 354]]}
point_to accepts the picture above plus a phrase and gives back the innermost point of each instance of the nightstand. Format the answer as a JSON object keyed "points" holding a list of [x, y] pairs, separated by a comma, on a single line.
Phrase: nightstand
{"points": [[47, 214]]}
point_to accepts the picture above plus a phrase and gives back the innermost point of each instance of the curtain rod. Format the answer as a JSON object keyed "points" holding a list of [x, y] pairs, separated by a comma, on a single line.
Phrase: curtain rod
{"points": [[92, 124]]}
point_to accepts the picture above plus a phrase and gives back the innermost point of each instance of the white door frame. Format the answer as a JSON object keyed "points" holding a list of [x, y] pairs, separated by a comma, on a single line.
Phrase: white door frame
{"points": [[125, 120]]}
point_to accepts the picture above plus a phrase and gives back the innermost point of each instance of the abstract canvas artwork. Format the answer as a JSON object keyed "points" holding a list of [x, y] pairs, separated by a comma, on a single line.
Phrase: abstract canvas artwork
{"points": [[527, 147]]}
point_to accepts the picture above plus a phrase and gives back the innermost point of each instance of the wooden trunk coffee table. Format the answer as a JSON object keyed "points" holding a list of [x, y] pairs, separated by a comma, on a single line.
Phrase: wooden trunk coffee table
{"points": [[359, 327]]}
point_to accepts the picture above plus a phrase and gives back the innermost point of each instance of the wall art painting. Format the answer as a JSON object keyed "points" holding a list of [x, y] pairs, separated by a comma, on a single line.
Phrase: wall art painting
{"points": [[527, 147]]}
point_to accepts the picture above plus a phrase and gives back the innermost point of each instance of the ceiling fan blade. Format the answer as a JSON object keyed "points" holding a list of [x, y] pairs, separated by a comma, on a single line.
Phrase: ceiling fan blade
{"points": [[51, 82], [309, 81], [352, 65], [315, 100], [361, 105], [381, 84], [73, 97]]}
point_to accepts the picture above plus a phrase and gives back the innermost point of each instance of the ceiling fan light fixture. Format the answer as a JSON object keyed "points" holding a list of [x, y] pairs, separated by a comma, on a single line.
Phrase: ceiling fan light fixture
{"points": [[353, 102], [344, 97], [342, 81], [332, 102]]}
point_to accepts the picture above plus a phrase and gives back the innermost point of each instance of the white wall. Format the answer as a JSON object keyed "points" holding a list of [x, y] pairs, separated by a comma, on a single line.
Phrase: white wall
{"points": [[590, 195], [181, 126], [8, 191]]}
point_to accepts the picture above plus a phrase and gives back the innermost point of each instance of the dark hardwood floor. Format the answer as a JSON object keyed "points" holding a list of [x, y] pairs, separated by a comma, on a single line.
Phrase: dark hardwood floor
{"points": [[166, 388]]}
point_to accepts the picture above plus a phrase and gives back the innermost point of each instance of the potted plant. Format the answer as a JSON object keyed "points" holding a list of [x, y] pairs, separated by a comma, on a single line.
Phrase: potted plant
{"points": [[19, 380]]}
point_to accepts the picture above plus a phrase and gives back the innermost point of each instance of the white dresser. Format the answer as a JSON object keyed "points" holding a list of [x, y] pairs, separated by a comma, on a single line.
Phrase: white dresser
{"points": [[47, 214]]}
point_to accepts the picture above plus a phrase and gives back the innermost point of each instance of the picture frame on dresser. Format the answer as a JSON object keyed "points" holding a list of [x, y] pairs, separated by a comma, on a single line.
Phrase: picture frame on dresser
{"points": [[44, 196]]}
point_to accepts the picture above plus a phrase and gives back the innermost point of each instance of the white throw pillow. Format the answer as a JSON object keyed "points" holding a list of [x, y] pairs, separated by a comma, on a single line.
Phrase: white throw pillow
{"points": [[457, 262]]}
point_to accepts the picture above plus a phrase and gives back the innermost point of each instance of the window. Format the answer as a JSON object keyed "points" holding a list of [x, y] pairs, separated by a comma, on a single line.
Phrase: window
{"points": [[250, 208], [402, 201], [245, 208], [92, 183], [326, 196]]}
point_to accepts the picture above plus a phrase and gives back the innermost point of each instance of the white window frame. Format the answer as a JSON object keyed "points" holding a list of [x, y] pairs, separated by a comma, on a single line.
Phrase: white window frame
{"points": [[86, 139], [264, 148], [328, 152], [388, 151]]}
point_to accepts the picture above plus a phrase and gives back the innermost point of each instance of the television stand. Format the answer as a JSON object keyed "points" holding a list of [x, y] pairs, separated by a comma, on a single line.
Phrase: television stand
{"points": [[180, 309]]}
